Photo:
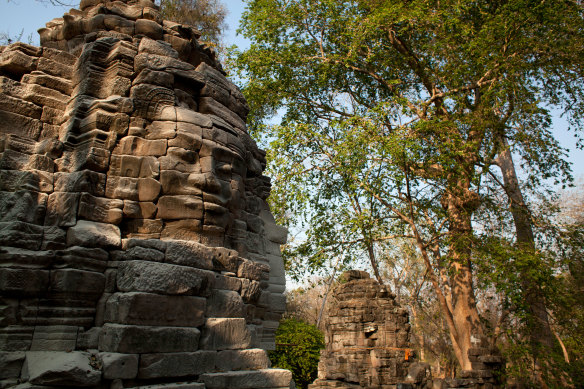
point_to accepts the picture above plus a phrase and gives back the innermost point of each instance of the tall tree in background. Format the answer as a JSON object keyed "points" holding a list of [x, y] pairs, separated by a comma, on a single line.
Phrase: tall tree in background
{"points": [[208, 16], [58, 2], [568, 308], [398, 117], [62, 3]]}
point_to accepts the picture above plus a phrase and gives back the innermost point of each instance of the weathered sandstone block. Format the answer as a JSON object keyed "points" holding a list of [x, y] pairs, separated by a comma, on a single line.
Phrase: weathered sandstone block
{"points": [[148, 339], [268, 378], [54, 338], [136, 167], [27, 282], [75, 281], [180, 207], [136, 245], [163, 278], [225, 303], [60, 368], [252, 359], [100, 209], [93, 234], [225, 334], [191, 254], [115, 365], [176, 364], [11, 364], [81, 181], [152, 309]]}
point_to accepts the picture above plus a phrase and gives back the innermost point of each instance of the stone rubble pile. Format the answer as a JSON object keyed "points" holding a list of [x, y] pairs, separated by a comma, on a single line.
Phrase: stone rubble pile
{"points": [[136, 245], [367, 340]]}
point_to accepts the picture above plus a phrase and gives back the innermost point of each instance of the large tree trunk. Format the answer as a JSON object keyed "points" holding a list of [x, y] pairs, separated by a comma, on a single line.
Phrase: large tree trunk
{"points": [[468, 328], [541, 333]]}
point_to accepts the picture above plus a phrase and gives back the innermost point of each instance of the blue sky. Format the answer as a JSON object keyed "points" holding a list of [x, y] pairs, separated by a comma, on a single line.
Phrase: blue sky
{"points": [[29, 15]]}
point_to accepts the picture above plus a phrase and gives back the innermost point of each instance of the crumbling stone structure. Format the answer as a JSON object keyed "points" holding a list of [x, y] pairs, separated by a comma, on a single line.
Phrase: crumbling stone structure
{"points": [[367, 339], [136, 246]]}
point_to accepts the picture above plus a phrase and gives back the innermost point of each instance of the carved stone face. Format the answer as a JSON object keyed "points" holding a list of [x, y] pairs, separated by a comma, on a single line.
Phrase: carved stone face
{"points": [[132, 206], [179, 158]]}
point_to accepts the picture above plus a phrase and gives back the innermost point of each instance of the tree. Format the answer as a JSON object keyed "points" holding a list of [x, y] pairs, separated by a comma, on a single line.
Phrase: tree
{"points": [[207, 16], [395, 114], [6, 38], [539, 329], [57, 2], [307, 303], [567, 308], [54, 2], [298, 346]]}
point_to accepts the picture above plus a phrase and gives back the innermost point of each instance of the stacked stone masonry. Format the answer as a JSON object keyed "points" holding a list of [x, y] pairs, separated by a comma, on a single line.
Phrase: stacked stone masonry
{"points": [[136, 245], [367, 337]]}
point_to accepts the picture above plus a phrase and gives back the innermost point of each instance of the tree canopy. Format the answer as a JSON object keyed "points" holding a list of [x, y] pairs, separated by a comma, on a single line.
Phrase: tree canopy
{"points": [[208, 16], [400, 119]]}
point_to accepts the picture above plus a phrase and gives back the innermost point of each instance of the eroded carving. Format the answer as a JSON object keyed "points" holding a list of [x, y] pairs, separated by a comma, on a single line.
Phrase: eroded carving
{"points": [[132, 211]]}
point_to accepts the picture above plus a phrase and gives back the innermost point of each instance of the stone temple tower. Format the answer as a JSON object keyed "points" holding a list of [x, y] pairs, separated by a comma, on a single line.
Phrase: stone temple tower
{"points": [[367, 340], [136, 245]]}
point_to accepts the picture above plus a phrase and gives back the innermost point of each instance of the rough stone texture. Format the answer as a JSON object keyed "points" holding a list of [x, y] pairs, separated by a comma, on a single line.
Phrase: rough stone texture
{"points": [[133, 220], [162, 278], [55, 338], [147, 339], [367, 338], [176, 364], [225, 334], [246, 379], [115, 365], [11, 364], [179, 385], [92, 234], [154, 309], [253, 359], [61, 368]]}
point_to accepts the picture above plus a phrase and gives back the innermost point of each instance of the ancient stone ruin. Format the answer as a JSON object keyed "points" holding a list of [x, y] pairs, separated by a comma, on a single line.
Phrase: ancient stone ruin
{"points": [[367, 339], [136, 246]]}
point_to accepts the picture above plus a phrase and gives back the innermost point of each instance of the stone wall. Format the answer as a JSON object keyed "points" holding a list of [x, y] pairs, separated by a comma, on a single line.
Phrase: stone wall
{"points": [[136, 246], [367, 337]]}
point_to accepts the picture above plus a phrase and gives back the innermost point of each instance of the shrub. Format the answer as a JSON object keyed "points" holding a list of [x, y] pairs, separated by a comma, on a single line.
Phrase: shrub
{"points": [[298, 346]]}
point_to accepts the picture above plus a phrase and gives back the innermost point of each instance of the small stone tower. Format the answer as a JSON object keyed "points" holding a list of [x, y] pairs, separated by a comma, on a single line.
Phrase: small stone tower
{"points": [[367, 338]]}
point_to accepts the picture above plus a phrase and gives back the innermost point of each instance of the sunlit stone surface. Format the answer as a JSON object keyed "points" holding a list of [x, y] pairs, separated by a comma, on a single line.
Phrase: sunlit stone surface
{"points": [[136, 246], [367, 339]]}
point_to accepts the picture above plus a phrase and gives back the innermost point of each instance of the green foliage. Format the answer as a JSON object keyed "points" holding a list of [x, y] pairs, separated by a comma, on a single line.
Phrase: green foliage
{"points": [[207, 16], [557, 269], [379, 95], [568, 302], [392, 116], [298, 346]]}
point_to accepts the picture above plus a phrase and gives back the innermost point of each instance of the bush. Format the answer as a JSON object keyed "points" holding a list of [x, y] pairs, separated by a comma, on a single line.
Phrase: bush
{"points": [[298, 346]]}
